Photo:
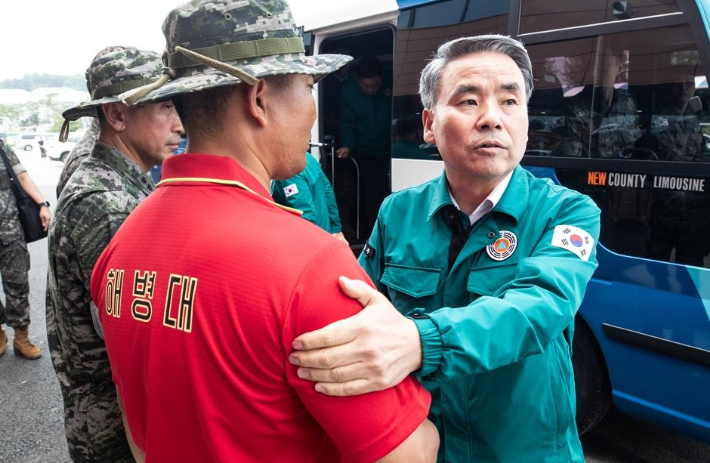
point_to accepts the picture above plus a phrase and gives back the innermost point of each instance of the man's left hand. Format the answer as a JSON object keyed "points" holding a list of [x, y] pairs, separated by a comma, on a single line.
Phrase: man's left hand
{"points": [[373, 350]]}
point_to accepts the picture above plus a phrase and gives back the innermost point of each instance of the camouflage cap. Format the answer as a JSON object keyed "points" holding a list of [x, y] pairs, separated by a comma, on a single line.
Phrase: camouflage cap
{"points": [[113, 72], [212, 43]]}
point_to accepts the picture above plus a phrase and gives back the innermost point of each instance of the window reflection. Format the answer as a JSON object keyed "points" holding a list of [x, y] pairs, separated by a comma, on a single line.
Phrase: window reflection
{"points": [[543, 15], [633, 96]]}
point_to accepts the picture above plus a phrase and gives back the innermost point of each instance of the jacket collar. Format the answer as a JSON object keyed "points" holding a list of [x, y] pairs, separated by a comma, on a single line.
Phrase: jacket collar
{"points": [[118, 161], [512, 203]]}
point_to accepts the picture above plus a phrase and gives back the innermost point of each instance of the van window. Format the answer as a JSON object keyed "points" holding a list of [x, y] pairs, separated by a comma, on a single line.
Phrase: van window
{"points": [[631, 110], [543, 15]]}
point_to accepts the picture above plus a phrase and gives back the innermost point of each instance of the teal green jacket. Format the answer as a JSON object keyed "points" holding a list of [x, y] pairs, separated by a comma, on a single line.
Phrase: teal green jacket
{"points": [[496, 332], [366, 121], [310, 191]]}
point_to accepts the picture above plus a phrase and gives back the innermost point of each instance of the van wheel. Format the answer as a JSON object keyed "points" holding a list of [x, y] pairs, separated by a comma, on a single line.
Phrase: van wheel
{"points": [[63, 156], [591, 378], [28, 147]]}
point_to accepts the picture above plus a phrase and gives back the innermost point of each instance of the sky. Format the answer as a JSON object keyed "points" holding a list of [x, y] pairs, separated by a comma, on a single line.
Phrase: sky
{"points": [[62, 36]]}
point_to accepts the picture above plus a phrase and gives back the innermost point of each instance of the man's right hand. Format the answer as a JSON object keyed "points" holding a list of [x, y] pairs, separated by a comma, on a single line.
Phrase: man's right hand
{"points": [[373, 350], [343, 152]]}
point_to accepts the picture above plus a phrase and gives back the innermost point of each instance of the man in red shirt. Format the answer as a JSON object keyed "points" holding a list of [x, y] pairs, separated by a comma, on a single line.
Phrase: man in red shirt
{"points": [[199, 322]]}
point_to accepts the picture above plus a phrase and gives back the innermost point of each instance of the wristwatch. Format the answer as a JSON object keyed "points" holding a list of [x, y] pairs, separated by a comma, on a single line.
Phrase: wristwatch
{"points": [[43, 203]]}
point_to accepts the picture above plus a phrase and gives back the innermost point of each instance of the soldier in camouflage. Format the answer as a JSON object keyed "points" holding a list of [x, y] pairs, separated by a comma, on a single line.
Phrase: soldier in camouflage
{"points": [[14, 258], [77, 154], [96, 200]]}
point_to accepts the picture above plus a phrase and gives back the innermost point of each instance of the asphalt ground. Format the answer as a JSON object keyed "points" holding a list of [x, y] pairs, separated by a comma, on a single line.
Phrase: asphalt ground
{"points": [[31, 414]]}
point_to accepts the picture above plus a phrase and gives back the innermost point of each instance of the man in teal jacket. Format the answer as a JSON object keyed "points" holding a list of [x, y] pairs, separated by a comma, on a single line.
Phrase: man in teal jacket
{"points": [[365, 133], [311, 193], [489, 263]]}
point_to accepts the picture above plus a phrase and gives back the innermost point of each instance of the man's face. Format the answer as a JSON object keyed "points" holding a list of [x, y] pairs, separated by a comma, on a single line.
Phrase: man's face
{"points": [[479, 122], [294, 117], [370, 85], [153, 132]]}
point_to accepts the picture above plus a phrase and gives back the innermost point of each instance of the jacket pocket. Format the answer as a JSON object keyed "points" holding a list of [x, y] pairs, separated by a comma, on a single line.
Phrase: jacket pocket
{"points": [[412, 281], [490, 281]]}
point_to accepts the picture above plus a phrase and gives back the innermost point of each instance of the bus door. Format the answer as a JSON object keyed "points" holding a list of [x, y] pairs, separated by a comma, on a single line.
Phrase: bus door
{"points": [[356, 112]]}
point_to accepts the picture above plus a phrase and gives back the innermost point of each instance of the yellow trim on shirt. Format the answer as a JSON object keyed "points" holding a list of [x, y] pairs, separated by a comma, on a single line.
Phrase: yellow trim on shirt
{"points": [[227, 182]]}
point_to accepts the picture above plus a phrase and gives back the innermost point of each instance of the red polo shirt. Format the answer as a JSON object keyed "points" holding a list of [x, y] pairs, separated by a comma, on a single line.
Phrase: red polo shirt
{"points": [[201, 293]]}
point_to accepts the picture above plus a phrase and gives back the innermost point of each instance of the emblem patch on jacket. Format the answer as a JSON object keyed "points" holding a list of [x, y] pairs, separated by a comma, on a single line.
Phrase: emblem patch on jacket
{"points": [[573, 239], [290, 190], [503, 247]]}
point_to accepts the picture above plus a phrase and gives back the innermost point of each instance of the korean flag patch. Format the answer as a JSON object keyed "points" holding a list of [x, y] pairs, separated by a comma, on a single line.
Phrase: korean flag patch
{"points": [[290, 190], [573, 239]]}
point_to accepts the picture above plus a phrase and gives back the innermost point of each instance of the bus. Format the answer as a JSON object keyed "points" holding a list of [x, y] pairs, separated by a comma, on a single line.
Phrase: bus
{"points": [[621, 113]]}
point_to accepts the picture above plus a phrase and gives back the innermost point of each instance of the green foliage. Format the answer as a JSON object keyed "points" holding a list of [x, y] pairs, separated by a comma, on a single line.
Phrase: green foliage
{"points": [[33, 81], [10, 111]]}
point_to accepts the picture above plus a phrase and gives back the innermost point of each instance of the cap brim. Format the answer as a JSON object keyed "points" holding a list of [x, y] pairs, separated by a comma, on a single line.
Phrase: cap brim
{"points": [[89, 108], [202, 77]]}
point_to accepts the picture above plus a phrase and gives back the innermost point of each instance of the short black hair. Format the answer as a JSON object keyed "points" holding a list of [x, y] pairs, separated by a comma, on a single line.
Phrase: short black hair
{"points": [[369, 66], [203, 111]]}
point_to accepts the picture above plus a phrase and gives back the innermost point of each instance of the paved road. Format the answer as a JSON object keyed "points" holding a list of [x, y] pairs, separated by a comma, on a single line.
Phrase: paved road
{"points": [[31, 426]]}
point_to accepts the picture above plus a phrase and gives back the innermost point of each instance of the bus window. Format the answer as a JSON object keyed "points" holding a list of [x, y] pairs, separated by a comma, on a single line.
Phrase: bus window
{"points": [[544, 15], [630, 108]]}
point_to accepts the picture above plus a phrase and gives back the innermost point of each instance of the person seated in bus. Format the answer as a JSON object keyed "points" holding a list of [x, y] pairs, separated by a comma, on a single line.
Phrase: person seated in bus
{"points": [[310, 192], [675, 122], [679, 223], [365, 132], [489, 264], [601, 120], [408, 138]]}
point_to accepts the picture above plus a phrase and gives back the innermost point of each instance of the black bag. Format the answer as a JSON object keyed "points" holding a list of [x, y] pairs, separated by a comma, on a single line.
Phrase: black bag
{"points": [[27, 209]]}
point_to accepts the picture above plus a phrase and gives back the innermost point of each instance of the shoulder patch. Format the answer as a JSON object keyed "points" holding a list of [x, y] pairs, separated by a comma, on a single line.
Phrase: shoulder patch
{"points": [[290, 190], [573, 239]]}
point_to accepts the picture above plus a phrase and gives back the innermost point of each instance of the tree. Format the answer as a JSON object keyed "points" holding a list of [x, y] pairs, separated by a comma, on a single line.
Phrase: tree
{"points": [[11, 112], [31, 82], [49, 103]]}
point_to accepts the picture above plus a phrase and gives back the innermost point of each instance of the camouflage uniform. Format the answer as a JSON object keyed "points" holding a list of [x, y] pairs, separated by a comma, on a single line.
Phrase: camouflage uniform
{"points": [[93, 204], [106, 187], [14, 258], [80, 152]]}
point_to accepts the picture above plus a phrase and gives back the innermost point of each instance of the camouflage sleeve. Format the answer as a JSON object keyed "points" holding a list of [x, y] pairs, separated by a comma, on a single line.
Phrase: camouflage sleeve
{"points": [[92, 240], [90, 244], [14, 160]]}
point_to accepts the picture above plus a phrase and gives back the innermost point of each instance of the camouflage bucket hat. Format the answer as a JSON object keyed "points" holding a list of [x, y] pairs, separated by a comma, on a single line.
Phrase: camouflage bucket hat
{"points": [[113, 72], [212, 43]]}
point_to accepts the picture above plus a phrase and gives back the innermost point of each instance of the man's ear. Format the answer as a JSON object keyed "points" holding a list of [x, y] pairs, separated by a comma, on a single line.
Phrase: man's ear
{"points": [[115, 115], [428, 122], [255, 96]]}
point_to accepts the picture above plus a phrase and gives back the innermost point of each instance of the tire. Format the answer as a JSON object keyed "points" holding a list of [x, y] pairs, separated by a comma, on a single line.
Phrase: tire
{"points": [[28, 147], [592, 384], [63, 156]]}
